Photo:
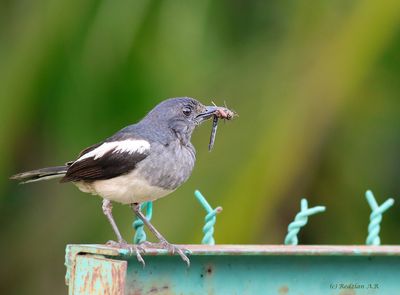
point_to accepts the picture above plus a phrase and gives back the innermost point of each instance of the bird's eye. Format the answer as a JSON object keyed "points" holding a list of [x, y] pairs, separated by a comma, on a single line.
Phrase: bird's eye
{"points": [[187, 111]]}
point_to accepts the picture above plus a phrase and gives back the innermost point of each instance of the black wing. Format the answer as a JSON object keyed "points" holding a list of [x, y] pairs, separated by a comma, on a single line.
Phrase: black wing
{"points": [[109, 165], [86, 150]]}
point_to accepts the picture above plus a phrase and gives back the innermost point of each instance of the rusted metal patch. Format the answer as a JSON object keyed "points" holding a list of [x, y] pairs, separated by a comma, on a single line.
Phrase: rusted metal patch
{"points": [[71, 251], [98, 275]]}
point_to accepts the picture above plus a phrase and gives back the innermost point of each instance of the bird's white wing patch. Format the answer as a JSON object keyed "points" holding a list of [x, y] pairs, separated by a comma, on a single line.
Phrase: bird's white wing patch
{"points": [[125, 146]]}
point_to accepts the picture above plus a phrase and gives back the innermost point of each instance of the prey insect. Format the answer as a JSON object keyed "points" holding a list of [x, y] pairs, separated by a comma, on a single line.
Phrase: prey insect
{"points": [[213, 132], [221, 113]]}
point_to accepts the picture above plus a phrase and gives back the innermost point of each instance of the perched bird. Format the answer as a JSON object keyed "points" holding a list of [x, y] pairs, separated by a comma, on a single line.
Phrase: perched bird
{"points": [[142, 162]]}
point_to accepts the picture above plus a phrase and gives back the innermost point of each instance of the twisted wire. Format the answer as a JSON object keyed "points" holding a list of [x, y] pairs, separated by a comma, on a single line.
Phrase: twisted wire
{"points": [[375, 218], [138, 225], [210, 219], [300, 221]]}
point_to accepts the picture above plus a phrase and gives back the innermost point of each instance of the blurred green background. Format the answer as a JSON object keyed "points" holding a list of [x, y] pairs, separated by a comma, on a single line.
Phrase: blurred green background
{"points": [[316, 85]]}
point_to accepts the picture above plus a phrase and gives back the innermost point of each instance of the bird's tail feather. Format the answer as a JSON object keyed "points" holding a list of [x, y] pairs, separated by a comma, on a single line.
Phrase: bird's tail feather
{"points": [[40, 174]]}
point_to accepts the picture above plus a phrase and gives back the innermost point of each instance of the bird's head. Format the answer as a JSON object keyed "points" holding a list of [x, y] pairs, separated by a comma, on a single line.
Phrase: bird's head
{"points": [[181, 115]]}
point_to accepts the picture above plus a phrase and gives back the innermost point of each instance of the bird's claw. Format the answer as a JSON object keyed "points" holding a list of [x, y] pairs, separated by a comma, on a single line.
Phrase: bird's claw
{"points": [[148, 244], [138, 250], [171, 248], [181, 253]]}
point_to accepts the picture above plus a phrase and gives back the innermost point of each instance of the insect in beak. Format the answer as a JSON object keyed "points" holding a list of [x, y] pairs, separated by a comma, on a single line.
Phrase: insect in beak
{"points": [[213, 133], [220, 113]]}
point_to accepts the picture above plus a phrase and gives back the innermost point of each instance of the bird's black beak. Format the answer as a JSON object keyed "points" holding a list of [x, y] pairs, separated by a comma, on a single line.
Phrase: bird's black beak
{"points": [[207, 113]]}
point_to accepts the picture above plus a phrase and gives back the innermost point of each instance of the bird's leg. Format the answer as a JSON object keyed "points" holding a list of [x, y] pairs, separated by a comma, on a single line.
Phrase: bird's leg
{"points": [[163, 242], [107, 210], [136, 209]]}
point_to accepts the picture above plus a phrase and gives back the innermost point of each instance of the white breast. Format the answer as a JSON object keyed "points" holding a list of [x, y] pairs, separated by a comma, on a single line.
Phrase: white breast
{"points": [[125, 189]]}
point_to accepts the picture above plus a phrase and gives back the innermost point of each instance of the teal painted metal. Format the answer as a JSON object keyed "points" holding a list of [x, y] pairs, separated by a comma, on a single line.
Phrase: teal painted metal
{"points": [[84, 276], [140, 234], [99, 275], [240, 269], [300, 220], [210, 219], [376, 218]]}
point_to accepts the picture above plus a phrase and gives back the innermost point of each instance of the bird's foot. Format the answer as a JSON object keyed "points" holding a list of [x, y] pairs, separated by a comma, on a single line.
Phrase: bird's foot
{"points": [[138, 250], [171, 248], [147, 244]]}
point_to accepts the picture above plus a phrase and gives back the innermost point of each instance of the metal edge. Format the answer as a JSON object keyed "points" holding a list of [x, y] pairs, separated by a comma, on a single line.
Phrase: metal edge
{"points": [[251, 250]]}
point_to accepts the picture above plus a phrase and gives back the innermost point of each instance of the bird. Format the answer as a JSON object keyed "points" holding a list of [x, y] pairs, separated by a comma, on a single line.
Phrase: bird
{"points": [[141, 162]]}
